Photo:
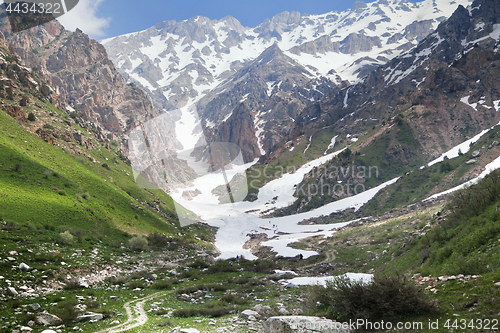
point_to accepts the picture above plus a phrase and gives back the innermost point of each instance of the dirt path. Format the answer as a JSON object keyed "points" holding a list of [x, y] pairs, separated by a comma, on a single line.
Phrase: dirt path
{"points": [[136, 316]]}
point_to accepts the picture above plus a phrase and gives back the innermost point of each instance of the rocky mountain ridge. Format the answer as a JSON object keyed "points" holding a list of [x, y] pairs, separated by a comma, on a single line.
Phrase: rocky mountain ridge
{"points": [[420, 104], [217, 64], [82, 76]]}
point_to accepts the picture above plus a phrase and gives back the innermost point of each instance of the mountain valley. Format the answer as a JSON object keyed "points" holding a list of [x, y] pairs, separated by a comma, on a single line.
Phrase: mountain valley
{"points": [[360, 144]]}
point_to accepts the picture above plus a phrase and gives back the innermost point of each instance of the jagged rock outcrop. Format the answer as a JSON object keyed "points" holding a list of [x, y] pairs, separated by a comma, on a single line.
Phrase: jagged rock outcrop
{"points": [[83, 76]]}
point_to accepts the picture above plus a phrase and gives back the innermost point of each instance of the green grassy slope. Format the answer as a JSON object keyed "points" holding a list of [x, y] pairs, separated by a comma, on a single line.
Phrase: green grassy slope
{"points": [[45, 185]]}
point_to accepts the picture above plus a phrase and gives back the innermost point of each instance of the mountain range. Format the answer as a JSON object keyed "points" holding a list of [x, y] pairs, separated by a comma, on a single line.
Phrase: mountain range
{"points": [[282, 65]]}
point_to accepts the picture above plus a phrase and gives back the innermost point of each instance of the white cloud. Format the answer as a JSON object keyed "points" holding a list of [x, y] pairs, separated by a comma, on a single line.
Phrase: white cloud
{"points": [[84, 16]]}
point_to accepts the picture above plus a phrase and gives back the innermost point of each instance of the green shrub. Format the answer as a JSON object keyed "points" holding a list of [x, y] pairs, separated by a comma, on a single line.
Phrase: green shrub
{"points": [[165, 323], [136, 284], [162, 284], [207, 310], [66, 311], [72, 285], [65, 238], [161, 312], [91, 304], [387, 297], [200, 264], [138, 243], [221, 266], [31, 116]]}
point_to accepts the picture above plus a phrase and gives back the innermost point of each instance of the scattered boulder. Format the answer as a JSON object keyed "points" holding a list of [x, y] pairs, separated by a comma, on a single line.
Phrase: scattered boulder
{"points": [[89, 316], [11, 291], [48, 319], [471, 161], [35, 307], [302, 324], [189, 330], [475, 153], [249, 313], [263, 310], [11, 259], [24, 267], [49, 331]]}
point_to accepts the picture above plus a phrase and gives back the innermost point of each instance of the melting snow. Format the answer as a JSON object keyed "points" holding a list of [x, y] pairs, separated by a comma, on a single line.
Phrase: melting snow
{"points": [[464, 147], [332, 144], [488, 169], [311, 281], [465, 100], [496, 104]]}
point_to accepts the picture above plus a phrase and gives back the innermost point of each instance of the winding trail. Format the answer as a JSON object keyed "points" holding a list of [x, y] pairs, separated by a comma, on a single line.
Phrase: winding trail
{"points": [[136, 315]]}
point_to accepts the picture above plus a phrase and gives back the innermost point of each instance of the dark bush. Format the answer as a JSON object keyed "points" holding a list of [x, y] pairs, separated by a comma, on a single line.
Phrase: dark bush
{"points": [[474, 200], [165, 323], [91, 304], [221, 266], [161, 312], [200, 264], [207, 310], [31, 116], [387, 297], [72, 285], [66, 311], [162, 284], [136, 284], [260, 266]]}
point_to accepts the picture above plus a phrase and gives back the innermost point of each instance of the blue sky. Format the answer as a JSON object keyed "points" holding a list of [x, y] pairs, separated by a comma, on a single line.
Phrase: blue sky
{"points": [[109, 18]]}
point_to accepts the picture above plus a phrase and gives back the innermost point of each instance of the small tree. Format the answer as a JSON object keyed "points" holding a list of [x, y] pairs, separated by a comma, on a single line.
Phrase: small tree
{"points": [[31, 116], [66, 238], [138, 243]]}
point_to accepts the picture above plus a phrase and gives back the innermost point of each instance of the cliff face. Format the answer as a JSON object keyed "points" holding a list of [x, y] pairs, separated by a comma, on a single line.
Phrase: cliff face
{"points": [[83, 76]]}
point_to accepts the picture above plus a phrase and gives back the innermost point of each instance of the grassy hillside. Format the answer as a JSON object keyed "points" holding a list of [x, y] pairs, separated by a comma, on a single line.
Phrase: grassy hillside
{"points": [[47, 186]]}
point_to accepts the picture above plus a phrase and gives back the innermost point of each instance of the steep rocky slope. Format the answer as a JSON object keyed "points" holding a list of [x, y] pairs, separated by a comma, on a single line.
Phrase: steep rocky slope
{"points": [[84, 78], [422, 103]]}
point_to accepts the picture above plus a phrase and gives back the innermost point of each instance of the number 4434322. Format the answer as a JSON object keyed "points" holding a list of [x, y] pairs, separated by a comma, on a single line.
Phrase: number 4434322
{"points": [[33, 8], [474, 324]]}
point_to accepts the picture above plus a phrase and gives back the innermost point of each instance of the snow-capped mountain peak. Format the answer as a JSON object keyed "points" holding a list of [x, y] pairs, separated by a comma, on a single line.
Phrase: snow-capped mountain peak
{"points": [[180, 62]]}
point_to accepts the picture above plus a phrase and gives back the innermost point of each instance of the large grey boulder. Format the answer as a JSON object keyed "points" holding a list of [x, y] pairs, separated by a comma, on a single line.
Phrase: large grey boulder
{"points": [[303, 324], [48, 319]]}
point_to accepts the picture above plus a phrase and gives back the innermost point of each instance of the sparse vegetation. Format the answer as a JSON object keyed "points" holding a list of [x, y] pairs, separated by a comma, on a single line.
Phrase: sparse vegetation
{"points": [[387, 297]]}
